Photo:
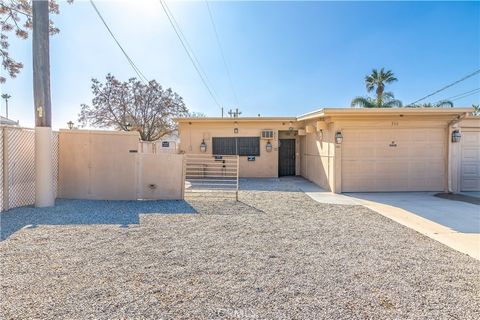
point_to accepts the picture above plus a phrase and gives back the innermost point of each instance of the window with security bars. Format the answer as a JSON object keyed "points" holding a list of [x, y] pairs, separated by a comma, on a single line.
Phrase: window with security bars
{"points": [[242, 146]]}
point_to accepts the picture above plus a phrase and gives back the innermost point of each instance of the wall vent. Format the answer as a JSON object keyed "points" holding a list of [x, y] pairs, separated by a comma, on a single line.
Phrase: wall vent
{"points": [[267, 134]]}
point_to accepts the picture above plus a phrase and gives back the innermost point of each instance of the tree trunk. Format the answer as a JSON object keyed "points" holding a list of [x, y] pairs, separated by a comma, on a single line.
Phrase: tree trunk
{"points": [[379, 92]]}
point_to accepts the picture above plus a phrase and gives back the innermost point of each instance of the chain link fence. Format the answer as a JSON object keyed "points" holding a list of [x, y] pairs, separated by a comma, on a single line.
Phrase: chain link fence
{"points": [[55, 155], [2, 160], [17, 171]]}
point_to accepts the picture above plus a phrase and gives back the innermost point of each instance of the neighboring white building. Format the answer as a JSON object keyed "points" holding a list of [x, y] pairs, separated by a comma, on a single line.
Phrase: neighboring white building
{"points": [[166, 144]]}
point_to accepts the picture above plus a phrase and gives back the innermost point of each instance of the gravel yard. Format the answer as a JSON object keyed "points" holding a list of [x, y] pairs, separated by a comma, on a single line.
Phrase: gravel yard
{"points": [[275, 255]]}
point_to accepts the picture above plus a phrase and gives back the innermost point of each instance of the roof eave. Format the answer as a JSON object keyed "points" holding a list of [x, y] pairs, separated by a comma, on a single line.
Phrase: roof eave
{"points": [[231, 119], [341, 112]]}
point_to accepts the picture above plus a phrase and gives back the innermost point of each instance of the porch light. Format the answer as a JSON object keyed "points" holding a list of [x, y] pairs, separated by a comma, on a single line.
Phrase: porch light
{"points": [[268, 146], [338, 137], [203, 146], [456, 136], [70, 124]]}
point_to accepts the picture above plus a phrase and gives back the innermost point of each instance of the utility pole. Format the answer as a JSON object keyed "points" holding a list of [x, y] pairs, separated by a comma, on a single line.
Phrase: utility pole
{"points": [[237, 113], [234, 114], [6, 96], [44, 196]]}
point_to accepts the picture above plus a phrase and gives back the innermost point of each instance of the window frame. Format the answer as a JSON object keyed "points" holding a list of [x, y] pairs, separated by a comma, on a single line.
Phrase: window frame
{"points": [[241, 146]]}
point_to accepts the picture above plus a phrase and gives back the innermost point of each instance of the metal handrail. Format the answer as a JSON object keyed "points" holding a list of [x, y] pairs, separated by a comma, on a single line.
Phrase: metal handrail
{"points": [[206, 173]]}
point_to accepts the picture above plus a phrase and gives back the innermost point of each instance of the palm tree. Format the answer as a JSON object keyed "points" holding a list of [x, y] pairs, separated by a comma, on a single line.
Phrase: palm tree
{"points": [[444, 104], [476, 109], [387, 100], [377, 81], [440, 104]]}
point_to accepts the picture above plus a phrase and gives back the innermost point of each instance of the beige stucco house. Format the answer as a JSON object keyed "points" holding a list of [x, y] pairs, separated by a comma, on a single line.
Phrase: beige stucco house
{"points": [[350, 150]]}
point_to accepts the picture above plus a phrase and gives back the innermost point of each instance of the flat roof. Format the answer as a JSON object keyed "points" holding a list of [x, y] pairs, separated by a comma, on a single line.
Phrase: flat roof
{"points": [[233, 119], [328, 112]]}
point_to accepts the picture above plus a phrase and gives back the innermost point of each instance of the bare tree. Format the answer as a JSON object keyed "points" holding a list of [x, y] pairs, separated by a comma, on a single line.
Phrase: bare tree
{"points": [[16, 17], [132, 105]]}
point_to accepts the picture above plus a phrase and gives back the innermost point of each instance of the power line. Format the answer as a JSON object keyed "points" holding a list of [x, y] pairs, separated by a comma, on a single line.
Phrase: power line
{"points": [[141, 76], [466, 95], [177, 25], [222, 53], [455, 97], [190, 53], [447, 86]]}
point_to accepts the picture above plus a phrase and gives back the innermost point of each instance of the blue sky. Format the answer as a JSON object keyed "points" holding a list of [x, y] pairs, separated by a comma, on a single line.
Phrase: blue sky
{"points": [[285, 58]]}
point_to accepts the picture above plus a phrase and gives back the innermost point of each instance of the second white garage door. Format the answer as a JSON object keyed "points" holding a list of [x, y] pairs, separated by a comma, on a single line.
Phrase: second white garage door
{"points": [[376, 160], [470, 161]]}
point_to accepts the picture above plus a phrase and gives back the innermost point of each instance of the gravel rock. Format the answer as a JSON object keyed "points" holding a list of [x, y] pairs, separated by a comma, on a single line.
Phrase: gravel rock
{"points": [[273, 255]]}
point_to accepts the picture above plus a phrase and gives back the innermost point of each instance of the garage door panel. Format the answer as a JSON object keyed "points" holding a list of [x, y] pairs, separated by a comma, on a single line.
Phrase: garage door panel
{"points": [[356, 167], [470, 169], [366, 136], [470, 154], [396, 183], [422, 151], [470, 185], [418, 135], [415, 161], [432, 166], [470, 161], [362, 151], [471, 138], [390, 168], [418, 168]]}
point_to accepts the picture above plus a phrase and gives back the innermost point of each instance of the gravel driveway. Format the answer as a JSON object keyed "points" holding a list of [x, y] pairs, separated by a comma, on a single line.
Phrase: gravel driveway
{"points": [[274, 255]]}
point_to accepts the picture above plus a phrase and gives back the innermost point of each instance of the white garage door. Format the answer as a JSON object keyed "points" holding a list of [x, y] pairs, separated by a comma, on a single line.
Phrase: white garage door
{"points": [[470, 167], [376, 160]]}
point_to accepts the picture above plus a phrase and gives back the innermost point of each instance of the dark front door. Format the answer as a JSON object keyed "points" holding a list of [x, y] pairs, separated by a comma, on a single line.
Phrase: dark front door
{"points": [[286, 157]]}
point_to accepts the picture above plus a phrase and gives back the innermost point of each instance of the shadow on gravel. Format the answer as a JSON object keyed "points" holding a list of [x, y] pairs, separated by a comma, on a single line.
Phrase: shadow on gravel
{"points": [[283, 184], [223, 207], [84, 212]]}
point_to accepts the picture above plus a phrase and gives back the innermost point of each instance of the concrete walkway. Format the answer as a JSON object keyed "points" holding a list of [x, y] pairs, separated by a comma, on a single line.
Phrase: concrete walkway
{"points": [[453, 223]]}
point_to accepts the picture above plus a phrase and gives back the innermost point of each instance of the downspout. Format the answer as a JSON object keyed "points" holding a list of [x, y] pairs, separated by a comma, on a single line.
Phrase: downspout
{"points": [[457, 119]]}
